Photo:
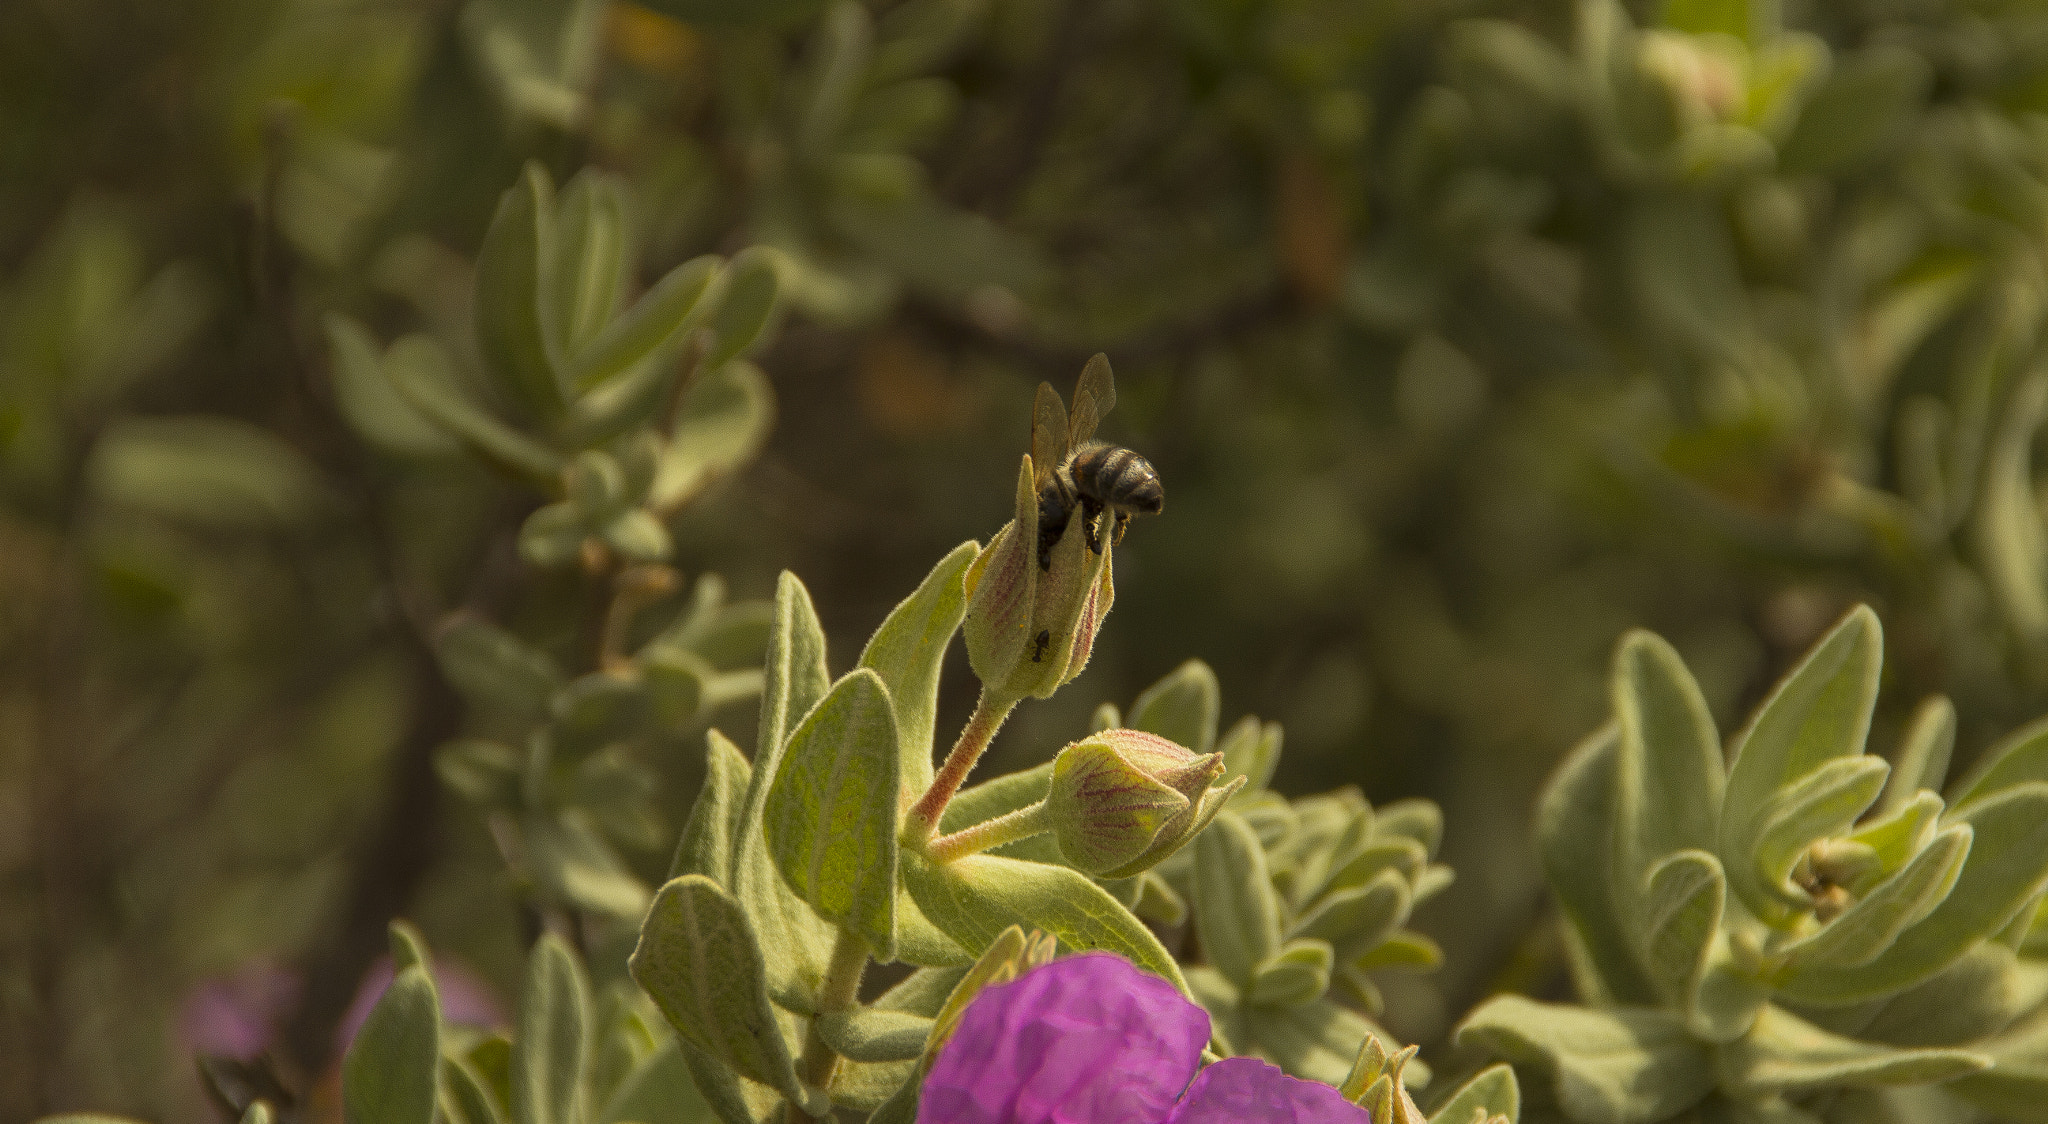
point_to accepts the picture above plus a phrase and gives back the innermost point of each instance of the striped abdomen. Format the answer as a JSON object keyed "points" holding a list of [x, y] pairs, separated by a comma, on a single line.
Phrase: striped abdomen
{"points": [[1117, 478]]}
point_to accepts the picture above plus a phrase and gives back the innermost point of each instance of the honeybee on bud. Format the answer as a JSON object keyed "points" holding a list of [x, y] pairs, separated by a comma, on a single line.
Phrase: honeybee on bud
{"points": [[1072, 470]]}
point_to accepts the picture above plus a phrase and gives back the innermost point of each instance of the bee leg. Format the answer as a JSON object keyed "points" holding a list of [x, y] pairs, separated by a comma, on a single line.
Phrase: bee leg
{"points": [[1092, 512], [1123, 522]]}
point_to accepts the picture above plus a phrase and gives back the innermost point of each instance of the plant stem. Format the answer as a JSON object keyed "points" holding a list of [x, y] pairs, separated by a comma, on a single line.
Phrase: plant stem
{"points": [[1023, 823], [922, 821], [837, 992]]}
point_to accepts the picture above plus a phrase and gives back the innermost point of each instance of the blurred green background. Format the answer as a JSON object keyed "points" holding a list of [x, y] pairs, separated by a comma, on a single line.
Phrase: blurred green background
{"points": [[1465, 334]]}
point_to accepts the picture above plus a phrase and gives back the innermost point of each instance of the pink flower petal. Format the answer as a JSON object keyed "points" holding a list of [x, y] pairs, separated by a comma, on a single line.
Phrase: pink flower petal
{"points": [[1088, 1039], [1241, 1090]]}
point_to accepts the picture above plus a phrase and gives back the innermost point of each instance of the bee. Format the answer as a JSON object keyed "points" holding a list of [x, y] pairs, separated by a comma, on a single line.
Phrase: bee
{"points": [[1072, 470]]}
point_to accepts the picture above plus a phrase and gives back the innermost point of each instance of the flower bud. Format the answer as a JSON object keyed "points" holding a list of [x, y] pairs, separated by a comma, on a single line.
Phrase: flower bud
{"points": [[1030, 631], [1122, 800]]}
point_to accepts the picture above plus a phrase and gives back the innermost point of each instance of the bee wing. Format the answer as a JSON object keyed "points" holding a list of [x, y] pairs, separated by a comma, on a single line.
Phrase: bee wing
{"points": [[1048, 434], [1093, 398]]}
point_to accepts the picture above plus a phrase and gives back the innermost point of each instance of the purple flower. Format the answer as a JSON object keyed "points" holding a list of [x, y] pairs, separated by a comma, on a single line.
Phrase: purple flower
{"points": [[1090, 1039]]}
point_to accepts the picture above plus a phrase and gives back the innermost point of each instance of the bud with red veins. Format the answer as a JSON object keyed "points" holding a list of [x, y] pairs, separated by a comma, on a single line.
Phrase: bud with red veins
{"points": [[1029, 631], [1121, 801]]}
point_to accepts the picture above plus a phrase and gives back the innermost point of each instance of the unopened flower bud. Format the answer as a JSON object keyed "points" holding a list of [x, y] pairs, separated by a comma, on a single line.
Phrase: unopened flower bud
{"points": [[1030, 630], [1123, 800]]}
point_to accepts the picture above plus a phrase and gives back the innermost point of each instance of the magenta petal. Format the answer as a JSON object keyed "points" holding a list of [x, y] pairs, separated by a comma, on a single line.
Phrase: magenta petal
{"points": [[1248, 1091], [1089, 1039]]}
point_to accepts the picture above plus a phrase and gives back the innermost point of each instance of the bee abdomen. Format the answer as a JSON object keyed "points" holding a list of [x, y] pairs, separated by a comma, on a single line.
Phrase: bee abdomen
{"points": [[1117, 477]]}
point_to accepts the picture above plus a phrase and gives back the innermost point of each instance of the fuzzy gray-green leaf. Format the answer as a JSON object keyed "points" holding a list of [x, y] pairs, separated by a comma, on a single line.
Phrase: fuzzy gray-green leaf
{"points": [[1575, 863], [908, 651], [699, 959], [656, 321], [388, 1076], [1923, 753], [513, 272], [1668, 771], [1629, 1065], [1784, 1052], [1819, 805], [1181, 708], [832, 813], [1493, 1089], [1359, 917], [750, 297], [869, 1035], [1682, 901], [975, 898], [1236, 910], [2018, 757], [1818, 713], [1870, 926], [2006, 869], [710, 834], [552, 1054]]}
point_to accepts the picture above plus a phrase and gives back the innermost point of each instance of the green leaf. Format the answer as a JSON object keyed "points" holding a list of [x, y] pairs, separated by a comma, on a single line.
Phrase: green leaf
{"points": [[484, 772], [575, 866], [2019, 757], [1317, 1040], [552, 1054], [1820, 805], [389, 1074], [733, 1099], [1297, 973], [658, 322], [590, 262], [832, 813], [749, 303], [419, 370], [210, 471], [1964, 1005], [1922, 761], [514, 271], [2006, 869], [408, 947], [1868, 927], [1182, 707], [1419, 820], [1682, 903], [1898, 836], [1785, 1052], [1629, 1065], [794, 939], [699, 959], [1668, 771], [495, 671], [1573, 831], [975, 898], [1492, 1089], [1250, 750], [725, 416], [710, 835], [468, 1099], [369, 401], [866, 1034], [1355, 919], [1236, 910], [660, 1088], [1817, 713], [908, 651], [1706, 17]]}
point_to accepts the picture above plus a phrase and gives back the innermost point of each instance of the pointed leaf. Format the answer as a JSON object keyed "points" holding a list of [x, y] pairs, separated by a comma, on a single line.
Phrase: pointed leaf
{"points": [[1493, 1090], [2018, 757], [1297, 973], [1668, 772], [659, 321], [725, 417], [700, 961], [832, 814], [1355, 919], [1682, 904], [974, 899], [1867, 928], [908, 651], [1236, 911], [749, 302], [1629, 1065], [552, 1053], [1786, 1052], [1182, 707], [1820, 805], [589, 271], [1818, 713], [1923, 753], [513, 269], [869, 1035], [710, 835], [388, 1076], [1574, 831]]}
